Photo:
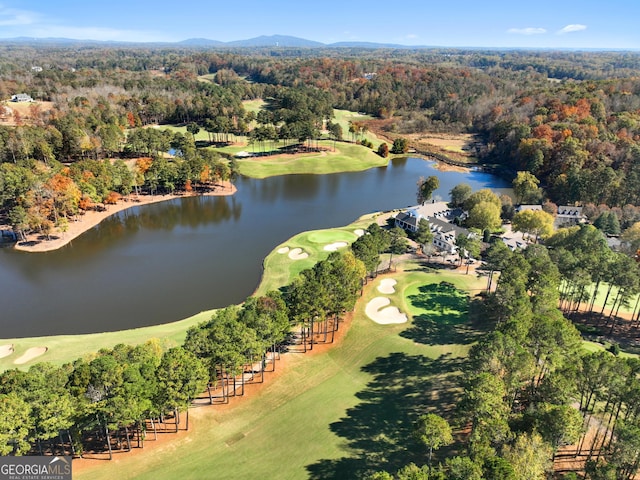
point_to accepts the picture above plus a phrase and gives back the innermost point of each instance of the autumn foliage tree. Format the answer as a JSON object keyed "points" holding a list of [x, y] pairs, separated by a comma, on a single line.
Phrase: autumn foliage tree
{"points": [[383, 150]]}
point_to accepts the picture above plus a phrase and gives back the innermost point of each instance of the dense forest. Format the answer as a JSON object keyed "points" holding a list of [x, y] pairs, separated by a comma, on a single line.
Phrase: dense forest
{"points": [[570, 120]]}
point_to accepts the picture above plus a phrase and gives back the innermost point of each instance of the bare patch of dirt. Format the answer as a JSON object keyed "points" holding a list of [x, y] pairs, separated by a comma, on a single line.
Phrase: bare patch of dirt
{"points": [[459, 147], [27, 112], [450, 142]]}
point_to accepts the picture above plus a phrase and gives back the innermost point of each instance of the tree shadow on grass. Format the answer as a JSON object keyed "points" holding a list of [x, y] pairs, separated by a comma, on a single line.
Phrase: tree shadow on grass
{"points": [[445, 317], [378, 431]]}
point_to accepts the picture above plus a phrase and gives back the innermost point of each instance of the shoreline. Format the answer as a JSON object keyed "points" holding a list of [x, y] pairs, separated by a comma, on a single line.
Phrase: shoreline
{"points": [[35, 243]]}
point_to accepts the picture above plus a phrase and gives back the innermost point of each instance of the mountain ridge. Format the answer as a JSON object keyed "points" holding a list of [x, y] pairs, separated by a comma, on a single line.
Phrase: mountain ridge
{"points": [[284, 41], [278, 41]]}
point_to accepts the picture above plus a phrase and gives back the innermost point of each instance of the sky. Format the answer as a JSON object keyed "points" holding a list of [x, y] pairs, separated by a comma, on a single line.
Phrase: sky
{"points": [[576, 24]]}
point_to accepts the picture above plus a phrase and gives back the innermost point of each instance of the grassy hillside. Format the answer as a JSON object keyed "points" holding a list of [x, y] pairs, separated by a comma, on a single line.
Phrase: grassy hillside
{"points": [[346, 158]]}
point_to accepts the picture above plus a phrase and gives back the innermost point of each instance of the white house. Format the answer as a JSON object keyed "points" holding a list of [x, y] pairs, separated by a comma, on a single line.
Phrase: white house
{"points": [[521, 208], [21, 97], [408, 220], [568, 215], [444, 233]]}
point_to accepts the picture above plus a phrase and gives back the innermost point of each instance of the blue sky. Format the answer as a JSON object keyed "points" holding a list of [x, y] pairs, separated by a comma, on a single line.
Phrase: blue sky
{"points": [[609, 24]]}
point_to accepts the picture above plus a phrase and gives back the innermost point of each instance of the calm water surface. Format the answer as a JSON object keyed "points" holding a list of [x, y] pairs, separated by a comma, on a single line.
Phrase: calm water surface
{"points": [[159, 263]]}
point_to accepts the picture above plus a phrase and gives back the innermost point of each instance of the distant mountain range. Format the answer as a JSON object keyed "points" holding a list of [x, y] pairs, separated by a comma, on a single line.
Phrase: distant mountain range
{"points": [[270, 41], [261, 41]]}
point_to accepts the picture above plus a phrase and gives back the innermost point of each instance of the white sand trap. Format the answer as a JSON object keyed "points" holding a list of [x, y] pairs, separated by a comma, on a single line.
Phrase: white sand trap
{"points": [[283, 250], [298, 254], [30, 354], [359, 232], [6, 350], [387, 286], [332, 247], [378, 311]]}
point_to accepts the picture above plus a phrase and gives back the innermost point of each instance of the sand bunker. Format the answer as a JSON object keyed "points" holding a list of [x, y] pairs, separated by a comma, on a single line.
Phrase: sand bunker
{"points": [[6, 350], [283, 250], [332, 247], [359, 232], [30, 354], [378, 311], [298, 254], [387, 286]]}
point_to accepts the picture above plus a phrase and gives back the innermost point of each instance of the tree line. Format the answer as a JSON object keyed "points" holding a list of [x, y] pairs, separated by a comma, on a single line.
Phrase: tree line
{"points": [[38, 197], [579, 138], [530, 388]]}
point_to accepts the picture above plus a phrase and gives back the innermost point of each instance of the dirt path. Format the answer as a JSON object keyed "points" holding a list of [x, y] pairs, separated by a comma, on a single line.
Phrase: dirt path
{"points": [[202, 414]]}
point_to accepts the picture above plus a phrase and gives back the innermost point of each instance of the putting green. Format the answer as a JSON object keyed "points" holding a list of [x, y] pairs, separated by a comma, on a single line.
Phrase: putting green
{"points": [[331, 236], [280, 270]]}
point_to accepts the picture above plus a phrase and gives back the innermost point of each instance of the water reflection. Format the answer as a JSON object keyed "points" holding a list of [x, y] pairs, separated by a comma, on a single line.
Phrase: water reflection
{"points": [[162, 262]]}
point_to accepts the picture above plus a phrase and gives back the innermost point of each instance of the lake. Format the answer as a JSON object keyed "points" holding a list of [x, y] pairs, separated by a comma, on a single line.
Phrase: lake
{"points": [[163, 262]]}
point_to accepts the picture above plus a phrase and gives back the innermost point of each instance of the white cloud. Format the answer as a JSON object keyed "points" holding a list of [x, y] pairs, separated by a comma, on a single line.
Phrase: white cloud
{"points": [[32, 24], [576, 27], [527, 31], [411, 36], [10, 17]]}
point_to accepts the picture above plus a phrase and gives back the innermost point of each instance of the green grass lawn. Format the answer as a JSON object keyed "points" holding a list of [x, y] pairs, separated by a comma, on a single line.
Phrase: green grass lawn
{"points": [[66, 348], [599, 347], [201, 136], [208, 78], [253, 105], [280, 270], [233, 149], [337, 414], [335, 158], [343, 117], [602, 294], [346, 158]]}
